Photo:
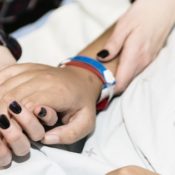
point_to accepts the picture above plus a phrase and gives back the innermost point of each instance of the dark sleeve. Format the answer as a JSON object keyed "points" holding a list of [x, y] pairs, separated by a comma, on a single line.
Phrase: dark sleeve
{"points": [[11, 43]]}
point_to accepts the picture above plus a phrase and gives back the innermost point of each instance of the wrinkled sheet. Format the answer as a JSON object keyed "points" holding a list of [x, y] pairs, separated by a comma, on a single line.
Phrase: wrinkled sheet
{"points": [[138, 128]]}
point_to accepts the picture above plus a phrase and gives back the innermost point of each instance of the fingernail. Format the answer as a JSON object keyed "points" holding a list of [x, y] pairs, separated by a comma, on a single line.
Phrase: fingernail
{"points": [[51, 139], [42, 113], [103, 53], [4, 122], [15, 107]]}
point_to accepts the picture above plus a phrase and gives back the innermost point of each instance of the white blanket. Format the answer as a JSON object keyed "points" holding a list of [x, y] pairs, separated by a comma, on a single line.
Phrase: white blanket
{"points": [[137, 129]]}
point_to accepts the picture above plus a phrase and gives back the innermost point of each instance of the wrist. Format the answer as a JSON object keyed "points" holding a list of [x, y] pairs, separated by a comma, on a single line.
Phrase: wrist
{"points": [[89, 80], [101, 72]]}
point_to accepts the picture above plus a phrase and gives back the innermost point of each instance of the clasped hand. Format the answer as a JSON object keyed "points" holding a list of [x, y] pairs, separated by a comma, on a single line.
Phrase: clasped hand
{"points": [[27, 91]]}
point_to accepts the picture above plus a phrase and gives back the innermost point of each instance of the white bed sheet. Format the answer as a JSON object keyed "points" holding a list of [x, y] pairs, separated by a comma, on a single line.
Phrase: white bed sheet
{"points": [[138, 128]]}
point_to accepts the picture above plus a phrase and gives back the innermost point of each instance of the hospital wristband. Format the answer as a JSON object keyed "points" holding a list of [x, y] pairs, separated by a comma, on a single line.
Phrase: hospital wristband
{"points": [[101, 72]]}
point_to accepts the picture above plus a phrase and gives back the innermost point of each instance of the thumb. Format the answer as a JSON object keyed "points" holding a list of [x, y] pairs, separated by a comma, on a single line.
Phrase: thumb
{"points": [[113, 45], [128, 68], [80, 125]]}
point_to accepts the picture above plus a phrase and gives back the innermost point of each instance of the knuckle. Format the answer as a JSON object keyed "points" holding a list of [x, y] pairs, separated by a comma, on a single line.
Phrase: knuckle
{"points": [[39, 136], [5, 159], [51, 120], [28, 104], [15, 137], [27, 123], [65, 119], [48, 76], [25, 101], [8, 98]]}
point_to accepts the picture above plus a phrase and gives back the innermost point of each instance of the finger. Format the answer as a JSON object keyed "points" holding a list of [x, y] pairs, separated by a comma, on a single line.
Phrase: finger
{"points": [[22, 90], [27, 120], [5, 154], [80, 125], [14, 82], [16, 69], [46, 114], [114, 44], [128, 67], [14, 137]]}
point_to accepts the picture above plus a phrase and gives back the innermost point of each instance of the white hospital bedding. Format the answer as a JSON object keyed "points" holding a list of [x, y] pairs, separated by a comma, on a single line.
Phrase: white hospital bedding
{"points": [[137, 129]]}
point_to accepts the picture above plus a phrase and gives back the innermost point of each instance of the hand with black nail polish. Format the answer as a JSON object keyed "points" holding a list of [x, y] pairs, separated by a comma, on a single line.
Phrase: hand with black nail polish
{"points": [[18, 143], [62, 94], [137, 38], [14, 140]]}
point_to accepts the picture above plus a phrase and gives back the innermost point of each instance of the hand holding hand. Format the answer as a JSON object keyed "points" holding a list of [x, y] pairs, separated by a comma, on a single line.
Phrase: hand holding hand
{"points": [[70, 91], [14, 119]]}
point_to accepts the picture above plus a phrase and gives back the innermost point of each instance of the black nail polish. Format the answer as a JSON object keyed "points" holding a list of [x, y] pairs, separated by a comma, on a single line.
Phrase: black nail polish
{"points": [[4, 122], [15, 107], [103, 53], [42, 113]]}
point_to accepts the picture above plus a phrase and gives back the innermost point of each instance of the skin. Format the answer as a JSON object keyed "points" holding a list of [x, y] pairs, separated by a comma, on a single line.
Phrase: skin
{"points": [[138, 37], [62, 82], [28, 85], [13, 139], [131, 49], [132, 170]]}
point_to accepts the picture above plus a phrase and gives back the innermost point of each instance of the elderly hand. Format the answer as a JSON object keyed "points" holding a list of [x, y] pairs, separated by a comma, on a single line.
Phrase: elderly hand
{"points": [[131, 170], [138, 37]]}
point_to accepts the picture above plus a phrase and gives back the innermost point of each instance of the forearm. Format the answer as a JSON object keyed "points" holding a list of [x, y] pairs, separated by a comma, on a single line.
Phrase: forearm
{"points": [[91, 51]]}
